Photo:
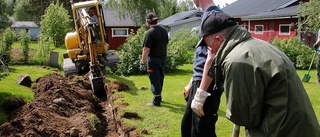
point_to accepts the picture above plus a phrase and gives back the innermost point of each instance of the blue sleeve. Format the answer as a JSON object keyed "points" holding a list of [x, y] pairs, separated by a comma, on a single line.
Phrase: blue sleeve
{"points": [[199, 61]]}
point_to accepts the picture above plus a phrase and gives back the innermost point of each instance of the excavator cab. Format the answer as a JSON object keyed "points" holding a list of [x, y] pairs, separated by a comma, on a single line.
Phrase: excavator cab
{"points": [[87, 46]]}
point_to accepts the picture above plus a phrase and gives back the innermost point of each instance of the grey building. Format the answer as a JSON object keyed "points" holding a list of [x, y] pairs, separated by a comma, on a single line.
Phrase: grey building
{"points": [[190, 19], [32, 28]]}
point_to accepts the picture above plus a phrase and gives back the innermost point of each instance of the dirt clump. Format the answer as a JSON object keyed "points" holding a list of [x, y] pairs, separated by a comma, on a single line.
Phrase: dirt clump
{"points": [[65, 107], [118, 86], [13, 104]]}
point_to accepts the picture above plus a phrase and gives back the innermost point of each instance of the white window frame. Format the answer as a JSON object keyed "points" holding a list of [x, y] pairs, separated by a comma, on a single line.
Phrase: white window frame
{"points": [[284, 33], [115, 29], [258, 32]]}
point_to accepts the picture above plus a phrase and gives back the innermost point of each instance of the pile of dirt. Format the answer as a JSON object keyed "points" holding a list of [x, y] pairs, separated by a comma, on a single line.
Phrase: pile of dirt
{"points": [[65, 107]]}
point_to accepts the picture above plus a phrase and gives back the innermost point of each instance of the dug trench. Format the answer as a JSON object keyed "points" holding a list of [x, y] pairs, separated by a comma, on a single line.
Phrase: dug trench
{"points": [[65, 106]]}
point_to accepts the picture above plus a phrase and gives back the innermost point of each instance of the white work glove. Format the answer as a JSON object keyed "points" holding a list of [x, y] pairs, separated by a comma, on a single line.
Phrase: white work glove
{"points": [[186, 91], [198, 101]]}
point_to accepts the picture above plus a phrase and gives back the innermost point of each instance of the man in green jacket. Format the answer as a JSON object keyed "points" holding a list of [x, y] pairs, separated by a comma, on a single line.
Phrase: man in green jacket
{"points": [[263, 91]]}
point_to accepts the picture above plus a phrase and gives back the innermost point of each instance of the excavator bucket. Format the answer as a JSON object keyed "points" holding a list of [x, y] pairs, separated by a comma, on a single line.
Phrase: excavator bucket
{"points": [[97, 86]]}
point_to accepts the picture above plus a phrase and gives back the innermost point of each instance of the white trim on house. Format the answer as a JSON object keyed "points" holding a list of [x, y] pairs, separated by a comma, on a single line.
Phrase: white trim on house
{"points": [[122, 32], [258, 31], [284, 33]]}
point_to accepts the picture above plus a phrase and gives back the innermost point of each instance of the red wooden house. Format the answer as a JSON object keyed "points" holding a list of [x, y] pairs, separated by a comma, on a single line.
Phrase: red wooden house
{"points": [[117, 29], [266, 19]]}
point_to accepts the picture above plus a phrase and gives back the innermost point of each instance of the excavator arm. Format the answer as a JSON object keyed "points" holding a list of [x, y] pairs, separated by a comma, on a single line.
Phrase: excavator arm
{"points": [[87, 48], [89, 36]]}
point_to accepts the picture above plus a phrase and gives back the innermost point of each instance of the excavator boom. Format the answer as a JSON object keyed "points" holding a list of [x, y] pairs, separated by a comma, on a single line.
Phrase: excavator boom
{"points": [[87, 49]]}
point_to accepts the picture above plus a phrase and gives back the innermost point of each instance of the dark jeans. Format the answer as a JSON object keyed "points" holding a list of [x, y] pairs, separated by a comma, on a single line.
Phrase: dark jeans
{"points": [[194, 126], [156, 76]]}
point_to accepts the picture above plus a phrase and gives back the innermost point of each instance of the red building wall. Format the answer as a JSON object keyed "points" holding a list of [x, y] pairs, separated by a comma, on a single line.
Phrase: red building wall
{"points": [[116, 42], [271, 28]]}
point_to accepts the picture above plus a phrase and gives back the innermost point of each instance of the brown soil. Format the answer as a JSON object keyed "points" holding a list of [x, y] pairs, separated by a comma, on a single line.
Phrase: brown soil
{"points": [[16, 54], [66, 107]]}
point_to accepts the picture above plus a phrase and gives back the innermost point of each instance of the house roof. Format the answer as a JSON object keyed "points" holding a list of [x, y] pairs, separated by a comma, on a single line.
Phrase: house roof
{"points": [[289, 12], [112, 20], [261, 8], [181, 17], [26, 24]]}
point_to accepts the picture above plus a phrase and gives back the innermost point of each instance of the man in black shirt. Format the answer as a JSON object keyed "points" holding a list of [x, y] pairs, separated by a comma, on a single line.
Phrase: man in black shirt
{"points": [[154, 54]]}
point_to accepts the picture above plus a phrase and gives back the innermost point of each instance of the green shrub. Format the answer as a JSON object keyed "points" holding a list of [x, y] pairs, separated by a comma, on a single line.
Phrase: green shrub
{"points": [[130, 53], [55, 23], [3, 74], [43, 53], [185, 41], [8, 37], [180, 51], [296, 50], [24, 39]]}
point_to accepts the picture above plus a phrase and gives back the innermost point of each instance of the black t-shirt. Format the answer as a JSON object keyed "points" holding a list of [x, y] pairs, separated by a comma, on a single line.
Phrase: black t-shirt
{"points": [[156, 39]]}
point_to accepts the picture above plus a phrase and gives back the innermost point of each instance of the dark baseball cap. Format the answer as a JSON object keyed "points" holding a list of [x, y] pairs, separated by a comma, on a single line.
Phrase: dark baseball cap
{"points": [[152, 16], [214, 23]]}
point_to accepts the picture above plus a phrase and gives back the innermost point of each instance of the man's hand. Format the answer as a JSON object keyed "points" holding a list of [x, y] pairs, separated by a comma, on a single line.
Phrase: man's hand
{"points": [[186, 91], [198, 101], [143, 67]]}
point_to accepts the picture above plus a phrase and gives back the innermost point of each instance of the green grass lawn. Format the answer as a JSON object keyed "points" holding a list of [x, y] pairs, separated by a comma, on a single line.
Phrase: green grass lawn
{"points": [[165, 120], [161, 121], [9, 87], [34, 46]]}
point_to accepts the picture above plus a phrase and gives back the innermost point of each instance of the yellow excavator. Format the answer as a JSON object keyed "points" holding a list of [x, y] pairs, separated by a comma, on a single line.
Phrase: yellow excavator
{"points": [[87, 47]]}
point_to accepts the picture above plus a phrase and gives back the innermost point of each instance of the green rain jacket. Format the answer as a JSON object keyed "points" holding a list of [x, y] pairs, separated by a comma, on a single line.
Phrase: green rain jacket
{"points": [[263, 91]]}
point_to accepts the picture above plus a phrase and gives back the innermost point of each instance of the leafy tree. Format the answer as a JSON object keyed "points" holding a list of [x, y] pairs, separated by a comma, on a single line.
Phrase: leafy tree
{"points": [[43, 53], [56, 23], [8, 38], [22, 11], [309, 12], [30, 10], [39, 7], [24, 39], [167, 8], [186, 5], [10, 6], [2, 7], [4, 20], [135, 9]]}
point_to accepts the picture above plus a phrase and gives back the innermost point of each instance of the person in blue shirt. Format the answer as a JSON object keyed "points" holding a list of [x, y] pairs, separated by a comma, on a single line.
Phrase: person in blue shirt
{"points": [[195, 124], [92, 14]]}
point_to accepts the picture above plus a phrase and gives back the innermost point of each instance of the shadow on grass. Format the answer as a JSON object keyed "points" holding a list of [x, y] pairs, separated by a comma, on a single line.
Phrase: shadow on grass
{"points": [[221, 113], [11, 69], [4, 96], [180, 72], [176, 108]]}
